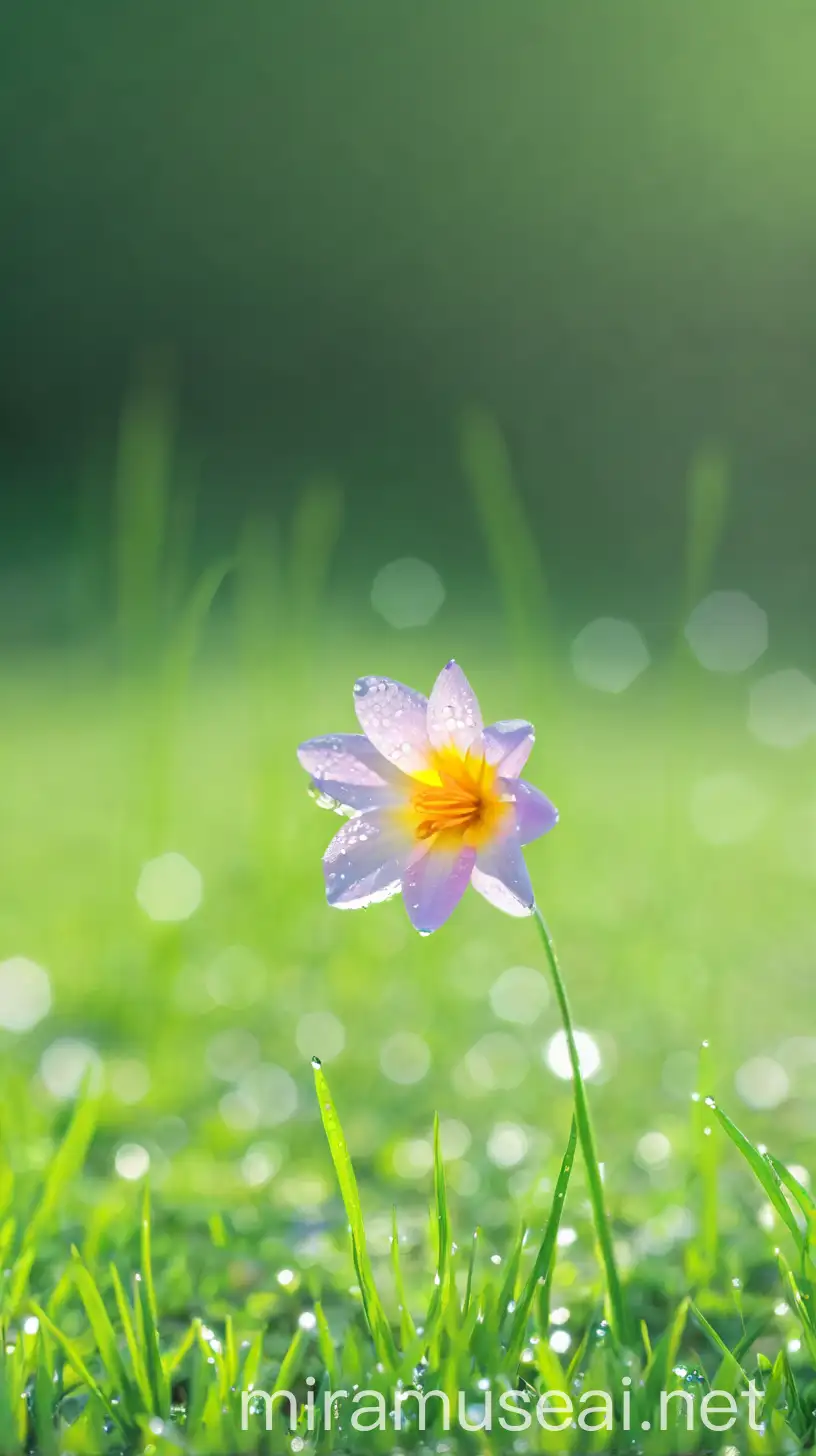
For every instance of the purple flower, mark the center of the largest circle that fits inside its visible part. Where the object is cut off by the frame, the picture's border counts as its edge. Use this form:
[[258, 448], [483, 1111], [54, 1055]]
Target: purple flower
[[435, 801]]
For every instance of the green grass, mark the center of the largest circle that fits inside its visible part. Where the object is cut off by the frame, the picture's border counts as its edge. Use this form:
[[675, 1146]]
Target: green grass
[[401, 1227], [657, 950]]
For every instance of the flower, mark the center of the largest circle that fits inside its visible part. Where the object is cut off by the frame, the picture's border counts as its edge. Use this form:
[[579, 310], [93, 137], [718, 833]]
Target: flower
[[435, 799]]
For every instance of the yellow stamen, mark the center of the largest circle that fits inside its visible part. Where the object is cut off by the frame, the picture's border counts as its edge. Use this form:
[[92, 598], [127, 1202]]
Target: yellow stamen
[[457, 796]]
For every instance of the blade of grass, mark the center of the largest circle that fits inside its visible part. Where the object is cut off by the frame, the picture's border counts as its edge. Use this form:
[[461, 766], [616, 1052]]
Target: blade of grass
[[763, 1172], [315, 533], [508, 536], [328, 1353], [71, 1352], [707, 505], [146, 1297], [103, 1331], [442, 1236], [375, 1314], [702, 1256], [664, 1356], [800, 1304], [730, 1372], [134, 1350], [474, 1244], [408, 1332], [545, 1258], [290, 1364]]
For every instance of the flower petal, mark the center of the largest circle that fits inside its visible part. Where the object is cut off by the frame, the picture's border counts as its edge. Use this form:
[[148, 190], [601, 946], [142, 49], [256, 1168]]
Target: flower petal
[[534, 814], [347, 768], [357, 798], [394, 719], [454, 716], [434, 884], [507, 745], [501, 876], [366, 859]]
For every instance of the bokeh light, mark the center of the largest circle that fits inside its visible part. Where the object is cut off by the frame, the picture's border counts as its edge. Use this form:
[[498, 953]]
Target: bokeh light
[[169, 888], [25, 994], [320, 1033], [783, 709], [67, 1065], [609, 655], [405, 1058], [762, 1082], [407, 593], [727, 632], [519, 994], [132, 1161], [557, 1058]]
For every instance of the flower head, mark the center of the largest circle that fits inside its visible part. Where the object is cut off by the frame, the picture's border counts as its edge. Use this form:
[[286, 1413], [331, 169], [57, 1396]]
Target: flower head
[[435, 801]]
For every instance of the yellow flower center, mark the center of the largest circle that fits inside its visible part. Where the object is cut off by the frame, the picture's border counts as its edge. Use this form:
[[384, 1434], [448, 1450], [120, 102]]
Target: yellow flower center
[[458, 796]]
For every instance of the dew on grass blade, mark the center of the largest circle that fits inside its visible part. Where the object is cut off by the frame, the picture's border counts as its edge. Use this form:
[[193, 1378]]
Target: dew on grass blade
[[25, 994]]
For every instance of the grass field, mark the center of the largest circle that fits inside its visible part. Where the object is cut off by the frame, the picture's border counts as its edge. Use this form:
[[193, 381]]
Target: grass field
[[679, 886]]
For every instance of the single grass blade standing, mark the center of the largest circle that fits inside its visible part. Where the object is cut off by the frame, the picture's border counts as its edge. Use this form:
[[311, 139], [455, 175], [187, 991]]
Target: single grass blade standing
[[542, 1268], [617, 1309], [702, 1253], [763, 1171], [707, 507], [375, 1314], [510, 541], [443, 1237]]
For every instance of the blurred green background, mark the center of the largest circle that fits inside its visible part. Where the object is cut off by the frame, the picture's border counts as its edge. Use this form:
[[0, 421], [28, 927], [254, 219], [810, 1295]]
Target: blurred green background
[[291, 293]]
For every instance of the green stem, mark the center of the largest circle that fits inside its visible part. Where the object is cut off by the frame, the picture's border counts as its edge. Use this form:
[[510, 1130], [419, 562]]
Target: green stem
[[586, 1137]]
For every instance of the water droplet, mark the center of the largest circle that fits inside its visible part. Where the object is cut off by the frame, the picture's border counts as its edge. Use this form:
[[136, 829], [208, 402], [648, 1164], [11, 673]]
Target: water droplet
[[316, 1063]]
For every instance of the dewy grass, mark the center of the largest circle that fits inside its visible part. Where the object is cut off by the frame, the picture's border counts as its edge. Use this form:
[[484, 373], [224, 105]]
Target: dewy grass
[[114, 1380]]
